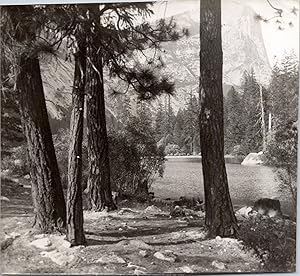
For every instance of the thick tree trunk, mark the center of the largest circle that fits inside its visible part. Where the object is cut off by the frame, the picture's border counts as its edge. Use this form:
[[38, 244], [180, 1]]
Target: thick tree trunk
[[75, 232], [99, 188], [47, 193], [219, 211]]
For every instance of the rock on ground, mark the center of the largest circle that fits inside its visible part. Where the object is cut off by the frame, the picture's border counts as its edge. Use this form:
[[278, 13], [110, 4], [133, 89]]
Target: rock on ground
[[218, 265], [152, 210], [111, 259], [58, 257], [43, 243], [165, 257]]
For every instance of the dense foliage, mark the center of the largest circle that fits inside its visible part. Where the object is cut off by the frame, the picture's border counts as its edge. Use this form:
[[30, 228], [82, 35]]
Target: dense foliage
[[282, 146], [178, 134]]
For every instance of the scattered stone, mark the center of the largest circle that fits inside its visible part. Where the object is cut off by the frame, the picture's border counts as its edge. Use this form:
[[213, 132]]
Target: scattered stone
[[244, 212], [19, 162], [134, 244], [161, 256], [111, 259], [120, 229], [4, 198], [39, 236], [27, 176], [131, 228], [152, 210], [27, 186], [130, 264], [186, 269], [218, 238], [43, 243], [218, 265], [143, 253], [126, 211], [6, 243], [138, 272], [57, 257], [177, 212], [66, 244], [5, 172]]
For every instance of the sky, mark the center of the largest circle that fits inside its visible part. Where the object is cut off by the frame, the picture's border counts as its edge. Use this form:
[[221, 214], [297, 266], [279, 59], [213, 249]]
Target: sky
[[276, 42]]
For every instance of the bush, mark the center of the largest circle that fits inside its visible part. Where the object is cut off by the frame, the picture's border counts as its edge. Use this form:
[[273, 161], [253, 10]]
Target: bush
[[282, 154], [135, 158], [273, 240], [16, 162]]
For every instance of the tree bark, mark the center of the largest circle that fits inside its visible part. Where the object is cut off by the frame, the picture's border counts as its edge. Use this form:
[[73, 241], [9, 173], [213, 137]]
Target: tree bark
[[47, 193], [75, 232], [99, 187], [220, 217]]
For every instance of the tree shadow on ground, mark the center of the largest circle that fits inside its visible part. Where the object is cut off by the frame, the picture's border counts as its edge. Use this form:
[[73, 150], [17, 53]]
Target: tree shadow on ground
[[139, 231]]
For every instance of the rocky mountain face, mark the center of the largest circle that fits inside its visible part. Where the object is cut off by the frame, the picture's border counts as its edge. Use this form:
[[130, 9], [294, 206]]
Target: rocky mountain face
[[243, 49]]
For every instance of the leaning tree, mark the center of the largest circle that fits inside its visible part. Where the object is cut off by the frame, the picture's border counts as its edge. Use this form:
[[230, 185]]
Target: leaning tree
[[116, 35], [21, 40], [220, 217]]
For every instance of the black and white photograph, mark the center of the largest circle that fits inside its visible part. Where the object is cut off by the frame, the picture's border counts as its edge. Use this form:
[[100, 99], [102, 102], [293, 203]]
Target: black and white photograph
[[149, 137]]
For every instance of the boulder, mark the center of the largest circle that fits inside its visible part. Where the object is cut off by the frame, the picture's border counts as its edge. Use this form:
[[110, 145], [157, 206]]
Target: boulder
[[268, 206], [253, 159], [243, 212]]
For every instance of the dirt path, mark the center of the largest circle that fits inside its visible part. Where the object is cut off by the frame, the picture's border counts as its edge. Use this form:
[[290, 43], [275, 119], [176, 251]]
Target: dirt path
[[127, 241], [143, 239]]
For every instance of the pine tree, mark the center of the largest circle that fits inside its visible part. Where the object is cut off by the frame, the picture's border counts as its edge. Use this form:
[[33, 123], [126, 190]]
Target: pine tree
[[22, 29], [191, 124], [219, 216], [283, 139], [251, 117], [113, 40], [233, 124], [159, 123], [179, 129]]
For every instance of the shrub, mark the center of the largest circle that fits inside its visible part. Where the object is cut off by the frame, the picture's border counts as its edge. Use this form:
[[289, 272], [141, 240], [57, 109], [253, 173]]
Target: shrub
[[135, 158], [273, 240], [282, 154], [16, 162]]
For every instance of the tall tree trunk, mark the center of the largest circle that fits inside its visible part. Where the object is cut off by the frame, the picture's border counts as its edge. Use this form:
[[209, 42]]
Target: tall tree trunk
[[47, 193], [99, 188], [220, 216], [75, 232]]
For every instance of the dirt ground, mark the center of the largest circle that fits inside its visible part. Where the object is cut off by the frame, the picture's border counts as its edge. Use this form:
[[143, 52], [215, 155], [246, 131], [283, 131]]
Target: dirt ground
[[138, 240]]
